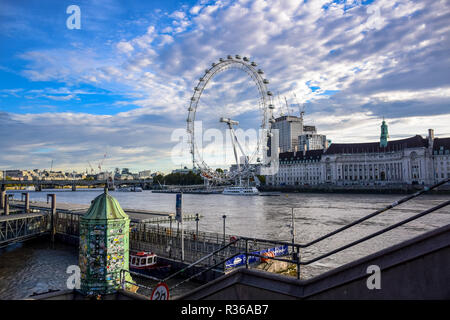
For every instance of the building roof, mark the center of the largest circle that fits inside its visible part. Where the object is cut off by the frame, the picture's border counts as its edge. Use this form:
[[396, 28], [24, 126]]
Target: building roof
[[287, 118], [441, 144], [309, 155], [369, 147], [309, 128], [105, 207]]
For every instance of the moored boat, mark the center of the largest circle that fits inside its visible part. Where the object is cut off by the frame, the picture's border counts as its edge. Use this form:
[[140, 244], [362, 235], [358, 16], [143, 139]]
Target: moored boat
[[241, 191], [147, 263]]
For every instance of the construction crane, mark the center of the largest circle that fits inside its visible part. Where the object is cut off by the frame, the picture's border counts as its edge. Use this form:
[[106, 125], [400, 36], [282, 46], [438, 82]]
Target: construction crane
[[101, 163], [92, 169], [300, 109], [287, 106], [281, 105]]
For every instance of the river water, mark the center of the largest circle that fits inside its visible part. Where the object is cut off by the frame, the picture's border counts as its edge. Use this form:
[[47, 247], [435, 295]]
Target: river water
[[38, 266]]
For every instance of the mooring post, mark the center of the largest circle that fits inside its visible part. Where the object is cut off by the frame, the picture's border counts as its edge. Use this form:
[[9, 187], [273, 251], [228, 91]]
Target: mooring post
[[52, 196], [3, 194], [6, 205], [27, 202]]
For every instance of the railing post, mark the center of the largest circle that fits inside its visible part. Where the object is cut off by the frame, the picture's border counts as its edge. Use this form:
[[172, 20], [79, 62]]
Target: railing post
[[52, 196], [298, 261], [246, 253]]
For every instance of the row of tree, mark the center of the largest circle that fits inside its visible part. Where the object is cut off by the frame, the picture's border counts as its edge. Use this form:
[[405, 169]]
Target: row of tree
[[178, 179], [186, 179]]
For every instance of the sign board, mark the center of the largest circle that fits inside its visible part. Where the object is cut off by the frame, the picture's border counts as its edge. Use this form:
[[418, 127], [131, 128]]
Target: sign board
[[161, 292], [179, 214], [240, 259]]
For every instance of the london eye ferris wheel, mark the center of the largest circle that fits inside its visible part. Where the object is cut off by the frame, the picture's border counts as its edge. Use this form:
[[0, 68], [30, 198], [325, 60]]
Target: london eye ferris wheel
[[246, 168]]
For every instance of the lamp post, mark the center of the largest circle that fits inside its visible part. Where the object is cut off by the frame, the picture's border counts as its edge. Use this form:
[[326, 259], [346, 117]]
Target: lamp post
[[196, 225], [196, 232], [224, 217]]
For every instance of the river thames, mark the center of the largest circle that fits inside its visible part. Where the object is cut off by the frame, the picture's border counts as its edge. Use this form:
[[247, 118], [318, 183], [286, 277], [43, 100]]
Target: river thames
[[38, 266]]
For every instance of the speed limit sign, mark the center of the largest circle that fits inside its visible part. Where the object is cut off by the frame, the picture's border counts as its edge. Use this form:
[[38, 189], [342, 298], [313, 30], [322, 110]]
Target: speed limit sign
[[161, 292]]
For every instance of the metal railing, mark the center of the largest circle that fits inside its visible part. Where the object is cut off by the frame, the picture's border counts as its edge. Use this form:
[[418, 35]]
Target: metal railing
[[124, 282], [296, 248]]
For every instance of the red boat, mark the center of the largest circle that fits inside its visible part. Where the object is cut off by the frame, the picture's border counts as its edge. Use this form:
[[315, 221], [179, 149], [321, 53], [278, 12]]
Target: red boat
[[147, 263]]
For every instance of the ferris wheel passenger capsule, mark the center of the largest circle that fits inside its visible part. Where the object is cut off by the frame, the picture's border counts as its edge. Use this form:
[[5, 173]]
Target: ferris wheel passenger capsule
[[253, 64], [221, 59], [245, 59], [230, 57], [265, 81], [269, 93], [260, 71], [271, 106], [206, 70], [237, 56]]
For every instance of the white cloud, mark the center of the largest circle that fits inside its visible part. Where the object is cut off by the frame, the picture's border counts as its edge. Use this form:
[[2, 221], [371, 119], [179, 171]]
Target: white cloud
[[195, 10], [125, 47], [178, 15]]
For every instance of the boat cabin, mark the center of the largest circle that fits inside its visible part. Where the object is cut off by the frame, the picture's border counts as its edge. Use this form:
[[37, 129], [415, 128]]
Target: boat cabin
[[142, 259]]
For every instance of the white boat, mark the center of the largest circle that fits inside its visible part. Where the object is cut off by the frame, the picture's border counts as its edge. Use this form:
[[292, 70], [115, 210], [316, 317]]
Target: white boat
[[130, 189], [241, 191]]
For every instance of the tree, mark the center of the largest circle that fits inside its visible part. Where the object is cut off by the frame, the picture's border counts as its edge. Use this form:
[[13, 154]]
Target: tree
[[262, 179]]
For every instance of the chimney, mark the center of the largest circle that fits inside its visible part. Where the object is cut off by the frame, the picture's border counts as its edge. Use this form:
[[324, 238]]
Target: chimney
[[430, 138]]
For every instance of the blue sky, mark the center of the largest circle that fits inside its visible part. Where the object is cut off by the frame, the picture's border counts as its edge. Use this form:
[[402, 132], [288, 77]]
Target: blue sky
[[121, 84]]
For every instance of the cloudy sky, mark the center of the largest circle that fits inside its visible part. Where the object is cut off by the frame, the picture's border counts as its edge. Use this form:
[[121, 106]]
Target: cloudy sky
[[121, 84]]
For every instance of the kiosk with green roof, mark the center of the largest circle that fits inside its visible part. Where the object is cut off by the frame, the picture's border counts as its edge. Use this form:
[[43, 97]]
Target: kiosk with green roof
[[104, 246]]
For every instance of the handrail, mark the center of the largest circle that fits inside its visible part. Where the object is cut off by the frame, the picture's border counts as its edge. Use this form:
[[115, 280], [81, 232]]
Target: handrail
[[444, 204], [123, 281], [200, 260], [423, 213], [392, 205], [205, 270]]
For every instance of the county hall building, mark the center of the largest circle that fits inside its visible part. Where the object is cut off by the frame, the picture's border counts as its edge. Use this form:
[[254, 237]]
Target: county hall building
[[414, 160]]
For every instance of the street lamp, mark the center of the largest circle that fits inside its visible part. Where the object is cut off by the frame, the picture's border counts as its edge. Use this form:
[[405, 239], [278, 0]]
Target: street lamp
[[196, 225], [196, 231], [224, 217]]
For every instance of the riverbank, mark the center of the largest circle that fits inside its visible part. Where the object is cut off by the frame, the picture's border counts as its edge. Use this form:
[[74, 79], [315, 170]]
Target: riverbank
[[401, 189]]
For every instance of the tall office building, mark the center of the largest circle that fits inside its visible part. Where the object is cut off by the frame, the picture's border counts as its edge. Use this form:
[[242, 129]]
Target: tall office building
[[290, 127]]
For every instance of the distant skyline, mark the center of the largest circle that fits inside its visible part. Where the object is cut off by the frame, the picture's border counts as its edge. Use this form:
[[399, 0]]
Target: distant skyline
[[121, 84]]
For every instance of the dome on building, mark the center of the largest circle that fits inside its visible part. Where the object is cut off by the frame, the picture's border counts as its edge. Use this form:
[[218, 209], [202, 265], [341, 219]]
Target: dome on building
[[105, 207]]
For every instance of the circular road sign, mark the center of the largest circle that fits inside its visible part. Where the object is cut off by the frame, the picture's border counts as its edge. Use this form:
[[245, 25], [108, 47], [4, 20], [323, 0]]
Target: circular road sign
[[161, 292]]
